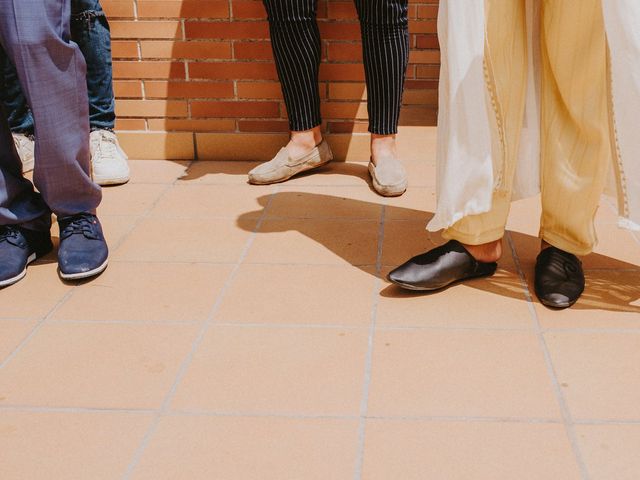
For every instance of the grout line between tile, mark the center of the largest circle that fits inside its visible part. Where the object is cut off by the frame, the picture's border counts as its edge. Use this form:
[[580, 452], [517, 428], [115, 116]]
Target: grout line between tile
[[27, 339], [123, 322], [37, 409], [562, 402], [364, 402], [595, 422], [164, 408], [68, 295], [299, 416], [147, 212]]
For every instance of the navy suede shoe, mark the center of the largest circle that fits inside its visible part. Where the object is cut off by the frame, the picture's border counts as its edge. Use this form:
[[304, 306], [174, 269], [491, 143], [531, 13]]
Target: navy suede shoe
[[18, 248], [83, 251]]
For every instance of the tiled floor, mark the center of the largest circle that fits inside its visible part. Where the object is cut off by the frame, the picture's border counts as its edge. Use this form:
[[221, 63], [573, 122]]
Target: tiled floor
[[246, 333]]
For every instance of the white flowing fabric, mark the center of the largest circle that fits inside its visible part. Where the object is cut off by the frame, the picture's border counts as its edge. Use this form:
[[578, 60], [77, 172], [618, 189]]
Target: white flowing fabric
[[466, 167]]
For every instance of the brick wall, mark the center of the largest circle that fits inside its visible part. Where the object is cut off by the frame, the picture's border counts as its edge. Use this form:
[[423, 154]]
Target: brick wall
[[196, 79]]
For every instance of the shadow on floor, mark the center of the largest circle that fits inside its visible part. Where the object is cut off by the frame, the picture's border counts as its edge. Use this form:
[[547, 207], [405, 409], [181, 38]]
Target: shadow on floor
[[614, 285], [198, 170]]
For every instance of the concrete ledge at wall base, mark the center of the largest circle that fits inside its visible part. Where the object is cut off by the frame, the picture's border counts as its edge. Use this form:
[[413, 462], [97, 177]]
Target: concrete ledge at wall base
[[260, 147]]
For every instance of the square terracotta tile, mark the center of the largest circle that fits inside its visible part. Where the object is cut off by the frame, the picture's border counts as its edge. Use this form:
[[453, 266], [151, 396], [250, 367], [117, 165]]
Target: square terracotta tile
[[307, 241], [116, 228], [308, 371], [461, 451], [495, 302], [203, 201], [156, 171], [68, 445], [292, 294], [250, 448], [406, 239], [417, 204], [12, 334], [218, 172], [129, 199], [460, 373], [599, 373], [326, 202], [184, 240], [610, 451], [37, 294], [615, 246], [98, 366], [149, 292]]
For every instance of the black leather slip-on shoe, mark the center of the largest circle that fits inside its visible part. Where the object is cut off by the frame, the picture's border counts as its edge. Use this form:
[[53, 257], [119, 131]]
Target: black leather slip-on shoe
[[440, 267], [559, 278]]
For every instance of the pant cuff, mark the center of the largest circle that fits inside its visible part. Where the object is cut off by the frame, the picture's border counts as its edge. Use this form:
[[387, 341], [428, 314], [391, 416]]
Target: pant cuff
[[303, 127], [473, 239], [566, 245]]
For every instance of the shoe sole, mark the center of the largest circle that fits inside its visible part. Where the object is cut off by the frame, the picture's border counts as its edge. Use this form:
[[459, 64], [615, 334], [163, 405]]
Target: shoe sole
[[5, 283], [103, 182], [556, 306], [386, 190], [82, 275], [305, 168], [425, 289]]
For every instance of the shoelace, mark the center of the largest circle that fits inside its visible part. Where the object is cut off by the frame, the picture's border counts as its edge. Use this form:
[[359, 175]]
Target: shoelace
[[83, 223], [8, 232], [21, 142], [105, 147]]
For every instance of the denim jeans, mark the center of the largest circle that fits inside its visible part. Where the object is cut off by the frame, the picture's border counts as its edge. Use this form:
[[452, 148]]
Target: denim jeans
[[90, 30]]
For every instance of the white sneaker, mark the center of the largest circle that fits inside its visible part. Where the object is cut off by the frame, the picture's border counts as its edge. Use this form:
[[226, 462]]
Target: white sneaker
[[25, 147], [108, 160]]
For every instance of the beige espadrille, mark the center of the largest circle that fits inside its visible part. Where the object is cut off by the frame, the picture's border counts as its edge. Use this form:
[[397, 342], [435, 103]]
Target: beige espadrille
[[282, 167]]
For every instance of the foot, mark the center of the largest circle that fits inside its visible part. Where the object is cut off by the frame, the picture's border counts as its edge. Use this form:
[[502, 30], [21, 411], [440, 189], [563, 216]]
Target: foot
[[388, 175], [83, 251], [559, 278], [18, 248], [440, 267], [285, 165], [108, 160], [25, 147], [486, 252]]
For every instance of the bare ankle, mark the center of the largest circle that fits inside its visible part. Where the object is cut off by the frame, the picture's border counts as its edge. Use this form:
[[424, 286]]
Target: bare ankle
[[486, 252], [383, 146], [307, 137]]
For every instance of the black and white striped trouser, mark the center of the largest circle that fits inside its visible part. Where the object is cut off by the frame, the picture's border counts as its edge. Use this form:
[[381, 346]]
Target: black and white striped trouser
[[295, 39]]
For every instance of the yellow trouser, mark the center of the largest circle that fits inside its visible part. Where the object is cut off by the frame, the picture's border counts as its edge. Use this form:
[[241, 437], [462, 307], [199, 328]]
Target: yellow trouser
[[575, 141]]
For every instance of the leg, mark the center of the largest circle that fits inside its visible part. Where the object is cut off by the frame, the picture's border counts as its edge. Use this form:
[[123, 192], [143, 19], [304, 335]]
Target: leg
[[19, 203], [575, 122], [35, 35], [90, 30], [18, 112], [385, 43], [295, 39], [475, 243], [506, 65]]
